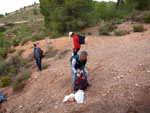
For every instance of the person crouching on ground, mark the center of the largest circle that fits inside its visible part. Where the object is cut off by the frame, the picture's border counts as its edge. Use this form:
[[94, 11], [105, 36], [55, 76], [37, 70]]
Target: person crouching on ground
[[38, 57], [79, 62]]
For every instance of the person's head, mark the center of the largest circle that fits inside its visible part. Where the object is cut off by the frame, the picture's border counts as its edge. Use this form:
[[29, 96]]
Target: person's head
[[78, 74], [34, 45], [70, 34], [83, 55]]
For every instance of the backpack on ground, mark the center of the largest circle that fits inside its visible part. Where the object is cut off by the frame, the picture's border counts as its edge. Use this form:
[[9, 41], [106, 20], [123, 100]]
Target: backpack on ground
[[41, 53], [81, 83], [81, 39]]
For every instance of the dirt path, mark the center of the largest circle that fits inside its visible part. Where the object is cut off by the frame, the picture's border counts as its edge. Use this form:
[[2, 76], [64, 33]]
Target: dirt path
[[119, 70]]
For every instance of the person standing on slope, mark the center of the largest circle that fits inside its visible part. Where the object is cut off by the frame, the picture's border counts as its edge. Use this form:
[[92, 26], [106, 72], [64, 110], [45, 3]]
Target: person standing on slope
[[38, 56], [75, 42]]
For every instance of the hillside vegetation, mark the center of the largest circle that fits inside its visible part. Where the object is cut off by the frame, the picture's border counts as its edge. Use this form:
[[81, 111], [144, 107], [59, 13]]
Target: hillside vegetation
[[118, 64]]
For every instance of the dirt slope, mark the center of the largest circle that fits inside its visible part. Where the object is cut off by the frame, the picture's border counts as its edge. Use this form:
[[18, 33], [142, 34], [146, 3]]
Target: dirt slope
[[119, 70]]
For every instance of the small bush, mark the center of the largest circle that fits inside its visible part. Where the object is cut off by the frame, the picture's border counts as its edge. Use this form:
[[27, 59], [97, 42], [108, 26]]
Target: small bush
[[36, 38], [12, 71], [118, 33], [5, 81], [3, 53], [18, 62], [1, 15], [54, 35], [121, 33], [18, 84], [11, 50], [15, 42], [20, 52], [35, 12], [147, 18], [2, 29], [26, 75], [107, 28], [118, 21], [89, 33], [103, 31], [24, 41], [44, 66], [138, 28]]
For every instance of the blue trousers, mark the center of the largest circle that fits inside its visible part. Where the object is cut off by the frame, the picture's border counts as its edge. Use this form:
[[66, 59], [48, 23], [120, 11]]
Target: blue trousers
[[85, 72], [38, 62]]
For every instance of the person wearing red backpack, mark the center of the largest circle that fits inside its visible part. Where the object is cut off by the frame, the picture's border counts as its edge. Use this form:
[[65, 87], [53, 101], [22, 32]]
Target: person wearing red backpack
[[75, 42]]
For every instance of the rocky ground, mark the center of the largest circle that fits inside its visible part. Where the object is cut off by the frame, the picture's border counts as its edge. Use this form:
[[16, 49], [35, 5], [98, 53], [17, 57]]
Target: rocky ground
[[119, 70]]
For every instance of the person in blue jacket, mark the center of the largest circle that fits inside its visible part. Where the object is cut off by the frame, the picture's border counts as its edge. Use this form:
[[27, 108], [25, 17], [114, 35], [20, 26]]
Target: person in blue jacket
[[2, 98], [37, 56], [78, 62]]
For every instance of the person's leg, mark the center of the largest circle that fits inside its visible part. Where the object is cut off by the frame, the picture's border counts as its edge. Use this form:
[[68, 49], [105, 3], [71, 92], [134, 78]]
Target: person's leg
[[74, 52], [85, 72], [37, 63], [40, 61], [77, 51], [73, 78]]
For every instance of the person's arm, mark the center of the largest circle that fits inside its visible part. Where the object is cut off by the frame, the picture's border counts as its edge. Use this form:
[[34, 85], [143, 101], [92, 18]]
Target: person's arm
[[34, 53], [73, 65]]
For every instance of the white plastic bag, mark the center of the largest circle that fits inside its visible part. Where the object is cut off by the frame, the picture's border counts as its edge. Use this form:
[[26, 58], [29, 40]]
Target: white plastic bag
[[79, 96], [68, 96]]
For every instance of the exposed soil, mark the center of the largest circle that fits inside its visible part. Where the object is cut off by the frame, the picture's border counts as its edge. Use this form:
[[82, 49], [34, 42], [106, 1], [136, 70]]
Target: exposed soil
[[119, 70]]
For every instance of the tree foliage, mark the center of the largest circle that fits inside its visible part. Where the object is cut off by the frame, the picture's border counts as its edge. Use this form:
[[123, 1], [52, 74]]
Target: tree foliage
[[65, 15]]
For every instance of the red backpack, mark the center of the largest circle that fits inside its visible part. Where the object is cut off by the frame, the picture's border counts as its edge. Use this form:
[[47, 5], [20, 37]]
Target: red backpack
[[81, 83]]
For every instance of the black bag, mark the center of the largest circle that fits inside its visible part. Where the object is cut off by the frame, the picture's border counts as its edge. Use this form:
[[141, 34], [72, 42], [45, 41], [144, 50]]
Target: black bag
[[41, 53], [81, 83], [81, 39]]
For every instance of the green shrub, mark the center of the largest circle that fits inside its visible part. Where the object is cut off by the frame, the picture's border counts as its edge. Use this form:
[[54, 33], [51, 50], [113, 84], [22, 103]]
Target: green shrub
[[24, 41], [107, 28], [36, 38], [27, 75], [12, 71], [138, 28], [118, 21], [1, 15], [54, 35], [18, 62], [121, 33], [15, 42], [35, 12], [11, 50], [44, 66], [18, 84], [2, 29], [4, 68], [5, 81], [20, 52], [147, 18], [3, 53], [103, 30], [89, 33]]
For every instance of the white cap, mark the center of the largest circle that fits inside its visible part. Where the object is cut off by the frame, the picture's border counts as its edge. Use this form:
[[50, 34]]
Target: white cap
[[70, 34]]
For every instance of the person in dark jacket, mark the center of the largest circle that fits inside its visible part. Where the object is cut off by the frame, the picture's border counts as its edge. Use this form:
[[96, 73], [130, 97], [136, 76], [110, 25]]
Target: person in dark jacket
[[38, 57], [75, 42], [78, 63]]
